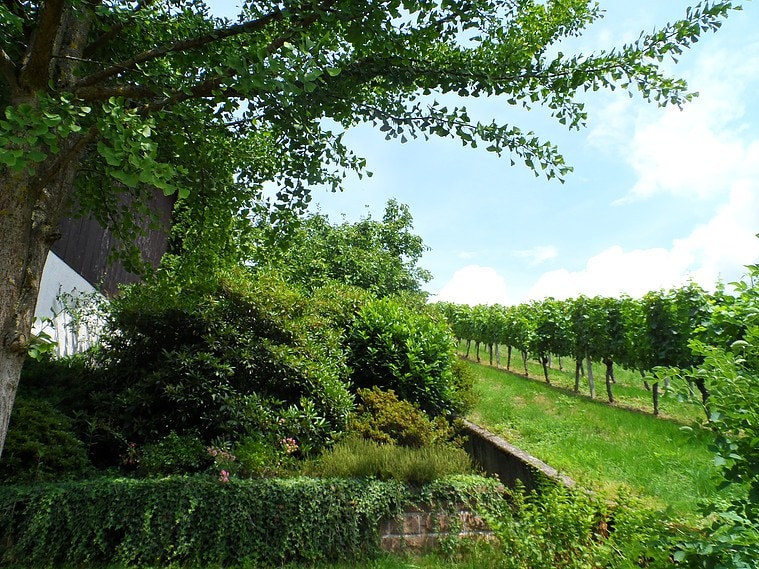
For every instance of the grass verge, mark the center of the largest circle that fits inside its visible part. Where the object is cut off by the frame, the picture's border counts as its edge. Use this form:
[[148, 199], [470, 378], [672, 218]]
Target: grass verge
[[612, 449]]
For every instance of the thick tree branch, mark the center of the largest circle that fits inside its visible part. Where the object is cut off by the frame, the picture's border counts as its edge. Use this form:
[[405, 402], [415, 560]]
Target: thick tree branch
[[214, 85], [35, 73], [200, 41], [72, 42]]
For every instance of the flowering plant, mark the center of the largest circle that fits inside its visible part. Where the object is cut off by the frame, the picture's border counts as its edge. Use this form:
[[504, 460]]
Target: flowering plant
[[290, 445], [222, 458], [131, 456]]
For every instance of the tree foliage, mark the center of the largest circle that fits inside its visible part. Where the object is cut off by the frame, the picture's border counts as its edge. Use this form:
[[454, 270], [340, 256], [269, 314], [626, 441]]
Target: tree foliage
[[636, 333], [731, 371], [378, 256], [407, 350]]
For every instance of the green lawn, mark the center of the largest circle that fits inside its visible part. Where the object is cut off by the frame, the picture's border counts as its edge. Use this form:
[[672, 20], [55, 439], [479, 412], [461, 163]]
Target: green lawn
[[614, 449]]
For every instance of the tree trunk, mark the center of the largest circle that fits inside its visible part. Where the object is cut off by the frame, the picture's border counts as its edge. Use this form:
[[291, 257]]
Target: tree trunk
[[545, 359], [524, 361], [561, 367], [497, 356], [591, 381], [468, 347], [508, 359], [490, 349], [578, 367], [477, 351], [11, 362], [30, 219], [656, 398], [32, 197], [701, 385], [609, 379]]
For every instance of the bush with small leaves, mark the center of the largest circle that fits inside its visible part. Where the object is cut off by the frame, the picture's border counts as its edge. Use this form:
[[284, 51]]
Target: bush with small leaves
[[407, 349], [174, 454], [381, 417], [227, 357]]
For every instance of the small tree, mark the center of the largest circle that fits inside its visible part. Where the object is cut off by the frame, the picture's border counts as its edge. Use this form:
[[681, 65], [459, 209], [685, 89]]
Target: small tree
[[550, 331], [379, 256]]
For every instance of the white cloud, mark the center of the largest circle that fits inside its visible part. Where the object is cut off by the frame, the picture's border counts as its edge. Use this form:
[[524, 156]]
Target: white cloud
[[538, 255], [474, 285], [719, 249], [698, 151], [614, 272], [728, 242], [685, 154]]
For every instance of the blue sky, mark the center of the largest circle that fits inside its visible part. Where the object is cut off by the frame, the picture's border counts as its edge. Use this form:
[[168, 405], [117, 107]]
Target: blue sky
[[657, 196]]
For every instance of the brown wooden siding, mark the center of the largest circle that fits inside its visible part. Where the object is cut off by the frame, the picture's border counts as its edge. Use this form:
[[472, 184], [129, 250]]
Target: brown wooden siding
[[85, 247]]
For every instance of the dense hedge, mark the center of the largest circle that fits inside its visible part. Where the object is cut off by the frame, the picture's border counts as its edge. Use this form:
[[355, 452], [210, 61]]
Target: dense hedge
[[201, 521]]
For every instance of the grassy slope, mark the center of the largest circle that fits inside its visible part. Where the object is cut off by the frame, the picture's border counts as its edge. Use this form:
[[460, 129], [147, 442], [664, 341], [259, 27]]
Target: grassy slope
[[612, 449]]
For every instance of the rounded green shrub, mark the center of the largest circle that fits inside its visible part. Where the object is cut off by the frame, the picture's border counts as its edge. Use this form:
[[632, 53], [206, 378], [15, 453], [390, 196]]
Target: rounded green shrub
[[174, 454], [41, 445], [225, 358], [408, 350], [64, 382], [381, 417]]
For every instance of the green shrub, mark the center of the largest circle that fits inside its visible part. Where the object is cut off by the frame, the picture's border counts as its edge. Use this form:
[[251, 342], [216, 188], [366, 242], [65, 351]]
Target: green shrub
[[259, 458], [407, 350], [61, 381], [41, 445], [463, 381], [380, 416], [194, 521], [174, 454], [226, 358], [360, 458], [561, 528]]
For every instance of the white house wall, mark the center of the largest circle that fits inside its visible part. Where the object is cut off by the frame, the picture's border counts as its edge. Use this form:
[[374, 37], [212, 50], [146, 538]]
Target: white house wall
[[65, 308]]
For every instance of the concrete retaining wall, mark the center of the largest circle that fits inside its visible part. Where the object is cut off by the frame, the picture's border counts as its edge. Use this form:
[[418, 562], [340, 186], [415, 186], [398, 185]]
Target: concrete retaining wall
[[423, 529], [498, 457]]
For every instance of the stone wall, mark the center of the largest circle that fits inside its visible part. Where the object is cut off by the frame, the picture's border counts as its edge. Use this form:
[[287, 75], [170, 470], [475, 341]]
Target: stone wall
[[422, 530]]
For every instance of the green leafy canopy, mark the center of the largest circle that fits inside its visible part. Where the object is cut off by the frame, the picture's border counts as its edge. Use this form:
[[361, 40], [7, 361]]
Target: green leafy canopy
[[292, 64]]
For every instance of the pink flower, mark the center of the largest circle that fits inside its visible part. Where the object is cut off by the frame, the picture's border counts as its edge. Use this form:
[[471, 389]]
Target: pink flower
[[290, 444], [224, 476]]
